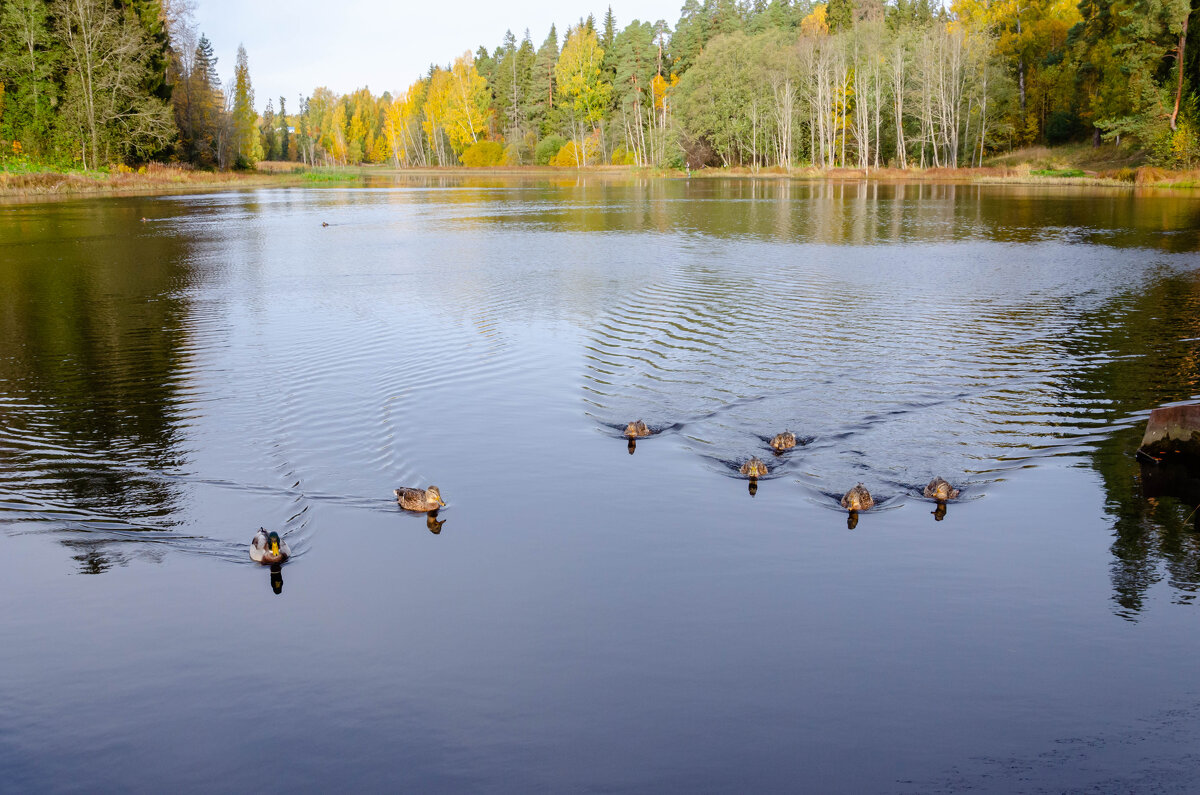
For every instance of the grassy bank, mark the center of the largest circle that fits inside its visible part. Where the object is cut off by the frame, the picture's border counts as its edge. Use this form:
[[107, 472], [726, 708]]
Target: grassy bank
[[20, 179]]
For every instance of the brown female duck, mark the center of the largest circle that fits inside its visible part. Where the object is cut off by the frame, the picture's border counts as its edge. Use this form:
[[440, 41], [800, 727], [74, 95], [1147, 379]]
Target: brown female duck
[[940, 490], [429, 499], [636, 430], [783, 441], [754, 468], [858, 499]]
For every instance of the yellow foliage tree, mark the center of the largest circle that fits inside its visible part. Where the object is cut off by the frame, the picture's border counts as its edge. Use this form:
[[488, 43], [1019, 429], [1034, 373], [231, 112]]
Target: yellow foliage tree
[[815, 24], [466, 104], [333, 134], [434, 113], [402, 122], [483, 153], [583, 81], [573, 156]]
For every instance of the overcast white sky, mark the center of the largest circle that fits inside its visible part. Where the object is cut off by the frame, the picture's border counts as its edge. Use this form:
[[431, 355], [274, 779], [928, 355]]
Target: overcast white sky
[[346, 44]]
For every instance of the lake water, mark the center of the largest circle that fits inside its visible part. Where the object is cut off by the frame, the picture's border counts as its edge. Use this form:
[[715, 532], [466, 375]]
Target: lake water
[[579, 618]]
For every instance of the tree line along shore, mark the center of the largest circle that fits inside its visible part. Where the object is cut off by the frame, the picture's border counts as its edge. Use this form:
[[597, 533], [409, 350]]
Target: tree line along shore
[[103, 95]]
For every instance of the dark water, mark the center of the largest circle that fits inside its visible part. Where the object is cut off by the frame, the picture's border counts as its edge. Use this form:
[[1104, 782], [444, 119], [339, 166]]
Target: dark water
[[582, 619]]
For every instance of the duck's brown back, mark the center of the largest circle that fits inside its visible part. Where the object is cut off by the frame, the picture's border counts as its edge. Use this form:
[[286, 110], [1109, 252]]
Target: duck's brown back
[[412, 499]]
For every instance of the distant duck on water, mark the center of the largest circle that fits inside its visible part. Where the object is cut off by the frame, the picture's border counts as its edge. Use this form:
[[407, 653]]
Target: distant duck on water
[[268, 548]]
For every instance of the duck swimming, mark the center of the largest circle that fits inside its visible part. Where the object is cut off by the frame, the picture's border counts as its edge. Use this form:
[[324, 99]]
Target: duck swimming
[[754, 468], [783, 441], [858, 499], [429, 499], [636, 430], [940, 490], [268, 548]]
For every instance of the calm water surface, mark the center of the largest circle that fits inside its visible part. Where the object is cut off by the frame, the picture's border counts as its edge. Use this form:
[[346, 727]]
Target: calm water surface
[[579, 618]]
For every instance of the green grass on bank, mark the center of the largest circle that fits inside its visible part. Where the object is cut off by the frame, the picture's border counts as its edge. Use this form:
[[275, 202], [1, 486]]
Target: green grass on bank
[[1059, 172]]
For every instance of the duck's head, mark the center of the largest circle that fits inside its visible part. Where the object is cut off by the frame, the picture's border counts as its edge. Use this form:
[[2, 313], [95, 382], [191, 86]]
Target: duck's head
[[433, 495], [273, 542]]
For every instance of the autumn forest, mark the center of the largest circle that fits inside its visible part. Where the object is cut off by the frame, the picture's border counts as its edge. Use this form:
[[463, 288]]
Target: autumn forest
[[745, 83]]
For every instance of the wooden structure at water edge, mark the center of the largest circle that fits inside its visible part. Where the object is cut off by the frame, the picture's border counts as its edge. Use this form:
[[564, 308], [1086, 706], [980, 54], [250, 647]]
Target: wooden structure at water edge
[[1172, 433]]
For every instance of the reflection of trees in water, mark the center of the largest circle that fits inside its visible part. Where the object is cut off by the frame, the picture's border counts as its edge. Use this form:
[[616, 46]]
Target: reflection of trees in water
[[854, 212], [91, 348], [1149, 362]]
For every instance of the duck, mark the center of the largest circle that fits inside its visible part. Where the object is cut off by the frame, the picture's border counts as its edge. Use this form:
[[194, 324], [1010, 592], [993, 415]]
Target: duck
[[268, 548], [422, 500], [940, 490], [324, 223], [636, 430], [858, 499], [783, 441], [754, 468]]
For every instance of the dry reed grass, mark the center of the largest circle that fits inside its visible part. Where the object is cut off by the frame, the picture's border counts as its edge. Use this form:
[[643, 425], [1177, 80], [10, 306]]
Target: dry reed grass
[[152, 177]]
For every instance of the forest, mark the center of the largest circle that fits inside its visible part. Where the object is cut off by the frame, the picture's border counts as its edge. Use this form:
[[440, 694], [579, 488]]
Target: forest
[[733, 83]]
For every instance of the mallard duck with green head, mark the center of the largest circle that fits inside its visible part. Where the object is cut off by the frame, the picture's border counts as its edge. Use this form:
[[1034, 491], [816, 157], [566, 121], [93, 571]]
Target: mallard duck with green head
[[422, 500], [268, 548], [858, 499]]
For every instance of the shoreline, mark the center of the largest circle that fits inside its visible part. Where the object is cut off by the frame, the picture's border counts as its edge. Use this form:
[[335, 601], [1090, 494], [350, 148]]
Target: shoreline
[[53, 185], [56, 185]]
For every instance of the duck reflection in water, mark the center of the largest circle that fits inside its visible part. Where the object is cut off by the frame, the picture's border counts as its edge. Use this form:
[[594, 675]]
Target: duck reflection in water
[[941, 491], [632, 446], [431, 521], [277, 578]]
